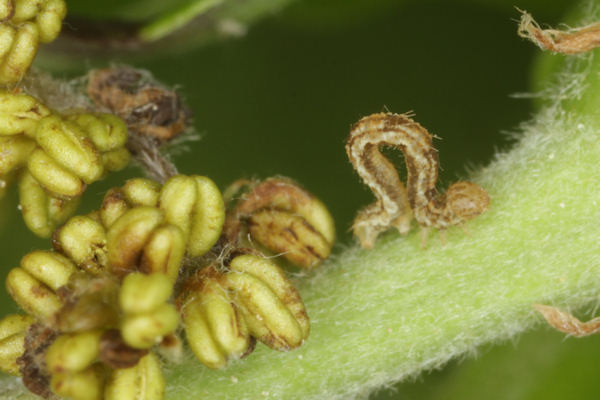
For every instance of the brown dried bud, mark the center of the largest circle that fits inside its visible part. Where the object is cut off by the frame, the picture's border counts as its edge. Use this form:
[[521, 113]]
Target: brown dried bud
[[32, 363], [148, 107], [117, 354], [572, 41], [89, 303], [281, 216]]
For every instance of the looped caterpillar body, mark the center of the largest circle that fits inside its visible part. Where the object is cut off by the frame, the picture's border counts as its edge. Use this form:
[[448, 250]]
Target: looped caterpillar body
[[396, 204]]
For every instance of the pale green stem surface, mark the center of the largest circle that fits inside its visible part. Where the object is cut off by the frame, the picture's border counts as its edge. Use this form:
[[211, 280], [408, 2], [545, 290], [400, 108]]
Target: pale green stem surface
[[381, 315]]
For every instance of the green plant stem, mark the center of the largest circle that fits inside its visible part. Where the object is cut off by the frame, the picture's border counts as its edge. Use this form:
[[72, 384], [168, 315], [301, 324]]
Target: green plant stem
[[175, 19], [391, 312]]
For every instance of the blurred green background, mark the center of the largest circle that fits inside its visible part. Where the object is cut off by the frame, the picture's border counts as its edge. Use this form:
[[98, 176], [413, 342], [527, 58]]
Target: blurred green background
[[281, 99]]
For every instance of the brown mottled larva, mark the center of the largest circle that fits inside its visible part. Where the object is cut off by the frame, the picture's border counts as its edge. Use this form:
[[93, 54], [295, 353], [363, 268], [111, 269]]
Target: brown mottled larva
[[396, 204]]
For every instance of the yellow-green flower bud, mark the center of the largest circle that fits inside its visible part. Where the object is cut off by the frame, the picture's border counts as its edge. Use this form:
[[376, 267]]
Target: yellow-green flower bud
[[62, 155], [215, 328], [141, 192], [14, 151], [283, 218], [73, 352], [41, 211], [113, 206], [49, 267], [141, 293], [106, 131], [32, 295], [52, 176], [18, 59], [68, 145], [83, 385], [207, 217], [19, 113], [271, 305], [11, 348], [136, 192], [14, 323], [12, 341], [7, 8], [164, 251], [115, 160], [177, 200], [194, 204], [144, 330], [144, 381], [25, 10], [84, 241], [31, 22], [128, 235], [7, 36], [50, 19]]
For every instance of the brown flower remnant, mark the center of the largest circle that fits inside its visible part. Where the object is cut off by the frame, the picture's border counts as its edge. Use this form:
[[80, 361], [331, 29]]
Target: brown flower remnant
[[572, 41], [117, 354], [33, 364], [280, 216], [148, 107], [567, 323]]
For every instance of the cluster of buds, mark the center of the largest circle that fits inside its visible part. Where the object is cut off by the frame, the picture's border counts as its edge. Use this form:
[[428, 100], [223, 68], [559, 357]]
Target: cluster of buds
[[110, 359], [185, 214], [122, 281], [23, 25], [54, 157], [226, 309], [157, 259], [105, 291], [279, 217]]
